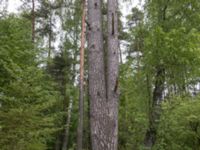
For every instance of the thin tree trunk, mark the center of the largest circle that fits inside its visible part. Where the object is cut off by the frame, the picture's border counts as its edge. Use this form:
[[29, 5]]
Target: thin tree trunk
[[97, 86], [68, 121], [81, 84], [50, 34], [112, 73], [33, 21]]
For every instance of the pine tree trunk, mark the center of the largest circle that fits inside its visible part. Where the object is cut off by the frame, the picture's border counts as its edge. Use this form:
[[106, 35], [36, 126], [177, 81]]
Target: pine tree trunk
[[97, 86], [81, 84], [112, 72], [103, 87]]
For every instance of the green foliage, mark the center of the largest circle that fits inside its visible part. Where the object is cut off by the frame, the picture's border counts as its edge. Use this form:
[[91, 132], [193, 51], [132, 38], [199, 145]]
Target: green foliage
[[179, 125], [177, 51], [133, 119], [26, 94], [35, 98], [168, 38]]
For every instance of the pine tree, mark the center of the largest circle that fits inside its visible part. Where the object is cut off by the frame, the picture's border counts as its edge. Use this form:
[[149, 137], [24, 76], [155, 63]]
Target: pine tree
[[103, 84]]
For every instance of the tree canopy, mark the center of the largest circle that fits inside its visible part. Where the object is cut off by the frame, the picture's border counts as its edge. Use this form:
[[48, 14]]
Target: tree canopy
[[140, 84]]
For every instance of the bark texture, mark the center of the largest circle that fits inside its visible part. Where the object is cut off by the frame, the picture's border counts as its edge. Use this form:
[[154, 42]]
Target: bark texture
[[81, 84], [112, 73], [103, 84], [97, 86]]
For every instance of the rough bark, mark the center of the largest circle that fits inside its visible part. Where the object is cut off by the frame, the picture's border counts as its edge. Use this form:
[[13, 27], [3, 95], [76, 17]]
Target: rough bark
[[97, 86], [112, 73], [81, 83], [103, 85]]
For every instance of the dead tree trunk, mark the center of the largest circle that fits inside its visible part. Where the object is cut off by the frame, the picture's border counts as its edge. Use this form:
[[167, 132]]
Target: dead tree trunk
[[81, 83]]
